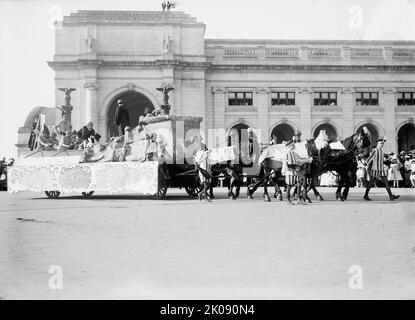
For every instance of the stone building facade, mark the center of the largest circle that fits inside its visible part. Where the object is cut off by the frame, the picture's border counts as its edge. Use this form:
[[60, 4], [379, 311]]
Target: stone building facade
[[277, 86]]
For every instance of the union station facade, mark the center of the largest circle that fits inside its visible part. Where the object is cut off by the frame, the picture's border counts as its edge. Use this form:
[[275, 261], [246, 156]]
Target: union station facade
[[277, 86]]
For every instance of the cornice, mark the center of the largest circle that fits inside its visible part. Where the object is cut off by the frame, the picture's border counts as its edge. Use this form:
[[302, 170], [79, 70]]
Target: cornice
[[96, 17], [226, 68], [220, 42], [131, 63], [311, 68]]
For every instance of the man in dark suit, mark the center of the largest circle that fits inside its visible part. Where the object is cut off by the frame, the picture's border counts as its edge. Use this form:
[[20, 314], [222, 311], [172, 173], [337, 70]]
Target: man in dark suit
[[87, 132], [122, 117]]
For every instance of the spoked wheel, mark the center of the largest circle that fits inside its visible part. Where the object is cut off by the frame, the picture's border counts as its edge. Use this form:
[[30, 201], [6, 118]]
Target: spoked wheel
[[193, 190], [162, 188], [52, 194], [88, 194]]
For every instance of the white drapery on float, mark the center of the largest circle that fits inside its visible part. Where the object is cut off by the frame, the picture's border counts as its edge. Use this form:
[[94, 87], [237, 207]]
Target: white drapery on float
[[68, 176]]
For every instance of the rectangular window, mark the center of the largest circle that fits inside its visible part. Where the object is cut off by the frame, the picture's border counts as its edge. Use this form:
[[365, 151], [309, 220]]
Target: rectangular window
[[406, 98], [325, 98], [367, 99], [283, 98], [240, 98]]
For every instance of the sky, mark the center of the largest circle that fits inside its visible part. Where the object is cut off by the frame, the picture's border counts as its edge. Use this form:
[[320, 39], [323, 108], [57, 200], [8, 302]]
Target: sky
[[27, 36]]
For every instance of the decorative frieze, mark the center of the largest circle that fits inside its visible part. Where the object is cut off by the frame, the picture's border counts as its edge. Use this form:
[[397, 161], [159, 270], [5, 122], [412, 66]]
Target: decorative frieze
[[219, 90], [389, 90], [347, 90], [304, 90], [262, 90], [91, 85]]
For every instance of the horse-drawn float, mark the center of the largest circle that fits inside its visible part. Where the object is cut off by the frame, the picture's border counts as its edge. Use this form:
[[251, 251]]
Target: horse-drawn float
[[158, 156]]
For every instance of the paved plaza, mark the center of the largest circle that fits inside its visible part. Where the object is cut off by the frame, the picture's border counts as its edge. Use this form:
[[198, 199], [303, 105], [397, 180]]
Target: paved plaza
[[132, 247]]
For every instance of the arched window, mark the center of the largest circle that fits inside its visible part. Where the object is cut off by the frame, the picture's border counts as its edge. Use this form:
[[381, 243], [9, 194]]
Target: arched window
[[406, 138]]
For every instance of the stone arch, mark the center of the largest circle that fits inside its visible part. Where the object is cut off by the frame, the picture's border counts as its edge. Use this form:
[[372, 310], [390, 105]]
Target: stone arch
[[239, 126], [283, 130], [374, 129], [238, 122], [334, 129], [137, 99], [405, 134]]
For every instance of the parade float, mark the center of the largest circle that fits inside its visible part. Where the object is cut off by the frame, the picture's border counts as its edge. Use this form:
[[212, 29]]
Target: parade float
[[117, 168]]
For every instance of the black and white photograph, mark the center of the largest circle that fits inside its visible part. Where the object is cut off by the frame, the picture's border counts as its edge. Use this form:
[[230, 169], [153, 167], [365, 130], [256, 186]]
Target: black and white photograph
[[207, 150]]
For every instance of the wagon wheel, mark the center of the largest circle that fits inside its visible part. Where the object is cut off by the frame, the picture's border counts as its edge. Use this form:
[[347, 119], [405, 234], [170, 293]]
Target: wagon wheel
[[162, 188], [52, 194], [193, 190], [88, 194]]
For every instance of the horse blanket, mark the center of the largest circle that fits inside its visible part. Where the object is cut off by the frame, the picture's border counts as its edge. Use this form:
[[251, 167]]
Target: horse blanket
[[277, 152]]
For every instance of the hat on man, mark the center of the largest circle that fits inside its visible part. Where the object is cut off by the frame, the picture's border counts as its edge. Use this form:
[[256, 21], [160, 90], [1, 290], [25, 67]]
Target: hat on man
[[381, 139], [89, 124], [119, 101]]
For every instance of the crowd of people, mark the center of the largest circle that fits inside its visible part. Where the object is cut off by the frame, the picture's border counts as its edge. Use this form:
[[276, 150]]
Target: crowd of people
[[42, 139], [4, 164], [399, 169]]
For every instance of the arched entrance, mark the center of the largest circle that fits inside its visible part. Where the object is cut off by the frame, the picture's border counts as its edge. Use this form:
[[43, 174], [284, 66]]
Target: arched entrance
[[236, 131], [283, 132], [330, 130], [135, 102], [406, 137], [374, 133]]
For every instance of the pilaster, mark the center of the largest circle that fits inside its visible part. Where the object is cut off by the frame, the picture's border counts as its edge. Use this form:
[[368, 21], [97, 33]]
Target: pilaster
[[388, 101], [304, 102], [347, 103], [262, 100]]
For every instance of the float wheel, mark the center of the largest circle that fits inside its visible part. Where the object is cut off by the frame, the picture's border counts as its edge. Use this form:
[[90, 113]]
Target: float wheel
[[88, 194], [52, 194]]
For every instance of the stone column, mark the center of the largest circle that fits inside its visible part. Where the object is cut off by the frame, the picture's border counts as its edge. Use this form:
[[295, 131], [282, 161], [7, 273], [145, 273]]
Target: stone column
[[388, 102], [219, 103], [347, 103], [304, 102], [262, 98], [91, 103]]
